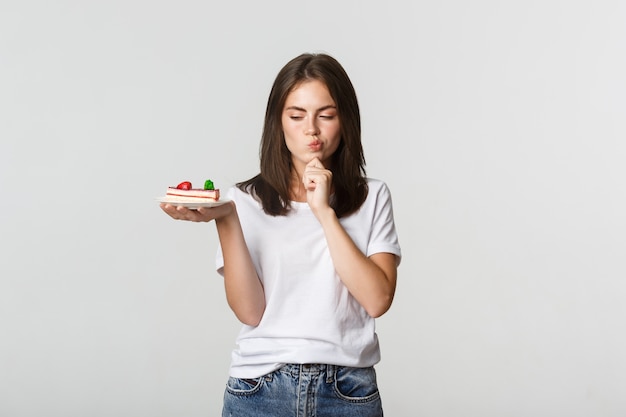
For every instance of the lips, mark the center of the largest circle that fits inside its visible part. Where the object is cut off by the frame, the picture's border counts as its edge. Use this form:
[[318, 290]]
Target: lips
[[315, 145]]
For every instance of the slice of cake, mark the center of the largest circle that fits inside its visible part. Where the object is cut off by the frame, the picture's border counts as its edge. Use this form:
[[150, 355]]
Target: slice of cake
[[184, 192]]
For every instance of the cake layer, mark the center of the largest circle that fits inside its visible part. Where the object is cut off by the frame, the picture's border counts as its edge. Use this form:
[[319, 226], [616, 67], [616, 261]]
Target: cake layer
[[194, 193]]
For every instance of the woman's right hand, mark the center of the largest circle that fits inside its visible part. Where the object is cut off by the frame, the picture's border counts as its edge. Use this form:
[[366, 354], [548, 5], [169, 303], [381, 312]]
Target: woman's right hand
[[202, 214]]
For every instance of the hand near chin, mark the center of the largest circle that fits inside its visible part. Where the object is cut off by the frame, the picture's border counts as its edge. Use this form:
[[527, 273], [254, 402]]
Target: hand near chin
[[202, 214], [317, 181]]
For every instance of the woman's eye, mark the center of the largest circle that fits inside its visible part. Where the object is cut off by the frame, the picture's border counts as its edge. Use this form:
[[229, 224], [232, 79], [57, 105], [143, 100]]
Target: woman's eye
[[327, 116], [296, 117]]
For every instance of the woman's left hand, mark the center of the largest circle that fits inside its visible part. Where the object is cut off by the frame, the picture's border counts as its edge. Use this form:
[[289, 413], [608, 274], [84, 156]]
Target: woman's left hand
[[317, 182]]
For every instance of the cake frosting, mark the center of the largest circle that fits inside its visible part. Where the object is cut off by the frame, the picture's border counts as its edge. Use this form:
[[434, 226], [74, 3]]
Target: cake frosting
[[185, 192]]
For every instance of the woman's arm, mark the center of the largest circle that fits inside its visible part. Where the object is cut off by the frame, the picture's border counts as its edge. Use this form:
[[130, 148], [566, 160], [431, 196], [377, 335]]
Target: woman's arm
[[244, 291], [370, 280]]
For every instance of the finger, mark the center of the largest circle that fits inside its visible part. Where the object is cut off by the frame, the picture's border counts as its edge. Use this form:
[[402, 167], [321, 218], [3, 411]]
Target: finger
[[309, 185], [170, 210], [309, 177], [315, 162], [217, 211]]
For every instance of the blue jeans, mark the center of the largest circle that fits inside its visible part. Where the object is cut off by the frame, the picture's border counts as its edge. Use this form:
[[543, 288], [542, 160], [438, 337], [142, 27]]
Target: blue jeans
[[305, 391]]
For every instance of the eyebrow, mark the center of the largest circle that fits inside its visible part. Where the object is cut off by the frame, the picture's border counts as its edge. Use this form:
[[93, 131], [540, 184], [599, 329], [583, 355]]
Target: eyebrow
[[330, 106]]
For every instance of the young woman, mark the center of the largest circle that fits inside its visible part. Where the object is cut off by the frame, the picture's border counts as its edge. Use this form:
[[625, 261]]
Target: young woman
[[309, 254]]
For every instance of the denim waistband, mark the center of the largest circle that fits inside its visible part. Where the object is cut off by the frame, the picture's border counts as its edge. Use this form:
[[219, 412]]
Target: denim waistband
[[307, 368]]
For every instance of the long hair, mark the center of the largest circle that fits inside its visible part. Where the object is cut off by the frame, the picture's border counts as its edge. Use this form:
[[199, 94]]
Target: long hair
[[272, 185]]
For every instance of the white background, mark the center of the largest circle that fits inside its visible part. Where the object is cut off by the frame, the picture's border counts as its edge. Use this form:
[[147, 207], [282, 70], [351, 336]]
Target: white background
[[499, 127]]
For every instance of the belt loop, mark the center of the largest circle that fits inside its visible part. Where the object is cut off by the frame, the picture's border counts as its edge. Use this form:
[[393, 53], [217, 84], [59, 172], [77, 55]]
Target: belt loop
[[330, 373]]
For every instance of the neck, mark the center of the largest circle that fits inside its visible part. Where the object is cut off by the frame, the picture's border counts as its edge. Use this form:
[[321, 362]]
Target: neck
[[297, 191]]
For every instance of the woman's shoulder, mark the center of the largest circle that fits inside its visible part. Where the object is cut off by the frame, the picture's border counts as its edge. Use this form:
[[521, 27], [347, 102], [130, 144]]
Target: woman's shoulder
[[378, 193], [241, 196], [376, 185], [375, 182], [234, 192]]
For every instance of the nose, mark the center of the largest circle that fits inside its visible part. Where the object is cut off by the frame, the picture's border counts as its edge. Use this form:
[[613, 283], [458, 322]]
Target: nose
[[311, 128]]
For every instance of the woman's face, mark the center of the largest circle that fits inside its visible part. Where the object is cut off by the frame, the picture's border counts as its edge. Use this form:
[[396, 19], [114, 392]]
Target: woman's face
[[311, 124]]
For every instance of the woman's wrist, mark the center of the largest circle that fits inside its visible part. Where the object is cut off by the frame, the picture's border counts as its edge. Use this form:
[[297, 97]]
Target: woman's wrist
[[326, 215]]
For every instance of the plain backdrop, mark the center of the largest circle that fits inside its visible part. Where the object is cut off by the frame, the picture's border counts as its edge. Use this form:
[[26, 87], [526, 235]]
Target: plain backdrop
[[499, 127]]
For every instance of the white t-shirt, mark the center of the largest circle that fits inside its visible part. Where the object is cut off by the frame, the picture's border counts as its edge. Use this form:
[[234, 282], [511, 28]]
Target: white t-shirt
[[310, 317]]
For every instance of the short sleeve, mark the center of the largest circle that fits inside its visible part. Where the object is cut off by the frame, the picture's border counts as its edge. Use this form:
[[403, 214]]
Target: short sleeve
[[384, 237]]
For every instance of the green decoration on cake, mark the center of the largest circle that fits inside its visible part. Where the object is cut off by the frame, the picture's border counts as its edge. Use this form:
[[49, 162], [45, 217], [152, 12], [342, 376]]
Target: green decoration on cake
[[208, 185]]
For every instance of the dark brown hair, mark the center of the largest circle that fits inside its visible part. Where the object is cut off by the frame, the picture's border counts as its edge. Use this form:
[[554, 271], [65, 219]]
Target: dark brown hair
[[272, 185]]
